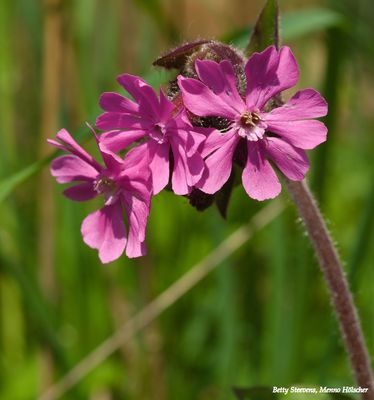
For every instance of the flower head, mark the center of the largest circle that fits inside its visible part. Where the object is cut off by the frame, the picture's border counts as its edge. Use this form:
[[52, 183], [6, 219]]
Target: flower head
[[169, 140], [124, 184], [280, 135]]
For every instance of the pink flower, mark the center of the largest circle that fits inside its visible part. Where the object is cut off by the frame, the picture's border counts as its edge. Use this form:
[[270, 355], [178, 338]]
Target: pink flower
[[152, 119], [125, 186], [280, 135]]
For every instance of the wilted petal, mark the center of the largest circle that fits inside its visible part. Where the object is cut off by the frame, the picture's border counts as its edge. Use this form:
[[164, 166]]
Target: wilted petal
[[71, 168], [82, 192], [105, 231], [307, 103], [269, 73], [219, 165], [200, 100], [305, 134], [259, 179], [291, 161]]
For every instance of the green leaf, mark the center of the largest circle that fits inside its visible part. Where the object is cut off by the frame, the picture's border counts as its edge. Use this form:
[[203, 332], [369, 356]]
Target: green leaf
[[294, 25], [7, 185], [266, 31]]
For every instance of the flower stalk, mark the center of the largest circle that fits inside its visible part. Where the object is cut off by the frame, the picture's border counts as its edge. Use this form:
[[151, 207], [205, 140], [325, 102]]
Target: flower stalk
[[337, 284]]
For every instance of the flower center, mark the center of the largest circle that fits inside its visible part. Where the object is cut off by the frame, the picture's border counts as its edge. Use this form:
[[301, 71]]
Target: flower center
[[158, 133], [249, 119], [108, 188], [104, 185], [251, 126]]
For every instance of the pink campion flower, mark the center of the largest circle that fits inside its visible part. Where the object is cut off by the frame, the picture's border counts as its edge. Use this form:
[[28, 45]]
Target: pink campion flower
[[152, 119], [280, 135], [125, 185]]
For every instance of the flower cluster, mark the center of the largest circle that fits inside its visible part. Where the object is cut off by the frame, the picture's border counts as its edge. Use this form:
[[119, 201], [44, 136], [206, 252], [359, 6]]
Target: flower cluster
[[175, 142]]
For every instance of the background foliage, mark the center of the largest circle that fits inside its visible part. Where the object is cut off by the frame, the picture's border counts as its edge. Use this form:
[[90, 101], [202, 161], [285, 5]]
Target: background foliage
[[263, 316]]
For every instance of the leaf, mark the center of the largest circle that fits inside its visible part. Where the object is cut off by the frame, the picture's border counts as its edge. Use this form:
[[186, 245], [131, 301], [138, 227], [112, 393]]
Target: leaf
[[294, 25], [255, 393], [266, 31], [7, 185]]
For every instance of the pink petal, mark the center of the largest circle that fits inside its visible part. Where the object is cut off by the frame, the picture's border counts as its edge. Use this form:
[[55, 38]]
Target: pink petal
[[82, 192], [215, 140], [221, 80], [132, 84], [269, 73], [113, 162], [187, 170], [71, 168], [105, 231], [116, 103], [166, 107], [118, 140], [307, 103], [305, 134], [70, 145], [259, 179], [137, 160], [145, 96], [200, 100], [159, 165], [196, 140], [194, 136], [137, 214], [219, 165], [291, 161], [136, 177], [191, 136], [116, 120]]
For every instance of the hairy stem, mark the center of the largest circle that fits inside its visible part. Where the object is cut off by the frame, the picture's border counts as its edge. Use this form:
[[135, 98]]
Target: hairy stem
[[338, 286]]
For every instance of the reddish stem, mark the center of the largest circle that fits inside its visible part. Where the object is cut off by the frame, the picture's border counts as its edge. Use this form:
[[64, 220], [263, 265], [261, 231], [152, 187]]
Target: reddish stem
[[337, 284]]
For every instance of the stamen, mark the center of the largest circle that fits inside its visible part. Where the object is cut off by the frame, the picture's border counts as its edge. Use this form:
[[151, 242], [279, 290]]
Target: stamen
[[158, 133], [249, 119], [251, 126], [104, 185]]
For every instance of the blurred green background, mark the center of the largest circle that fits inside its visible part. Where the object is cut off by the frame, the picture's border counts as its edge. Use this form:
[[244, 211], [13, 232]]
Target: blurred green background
[[262, 317]]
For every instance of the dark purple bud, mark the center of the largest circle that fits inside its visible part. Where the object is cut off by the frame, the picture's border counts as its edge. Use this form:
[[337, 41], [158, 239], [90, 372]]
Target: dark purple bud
[[176, 58], [183, 57]]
